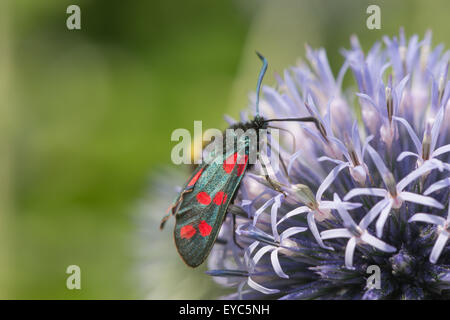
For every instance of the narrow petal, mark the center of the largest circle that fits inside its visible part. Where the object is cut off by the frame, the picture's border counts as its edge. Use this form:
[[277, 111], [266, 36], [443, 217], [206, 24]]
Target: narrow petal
[[368, 99], [377, 243], [260, 288], [292, 160], [332, 205], [276, 265], [314, 109], [441, 150], [349, 251], [377, 192], [411, 133], [327, 117], [341, 74], [249, 231], [248, 252], [382, 169], [383, 217], [315, 231], [399, 89], [273, 216], [436, 127], [437, 186], [405, 154], [373, 213], [428, 218], [446, 96], [324, 158], [335, 233], [312, 132], [291, 86], [438, 247], [424, 200], [348, 220], [356, 140], [329, 179], [230, 120], [261, 209], [366, 143], [340, 146], [417, 173], [261, 252], [291, 231], [294, 212]]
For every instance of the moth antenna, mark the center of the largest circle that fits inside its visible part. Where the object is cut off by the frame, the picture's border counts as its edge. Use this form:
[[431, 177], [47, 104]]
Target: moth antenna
[[260, 79], [314, 120]]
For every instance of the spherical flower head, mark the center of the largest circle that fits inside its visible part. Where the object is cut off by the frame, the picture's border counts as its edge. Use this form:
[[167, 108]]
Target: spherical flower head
[[368, 187]]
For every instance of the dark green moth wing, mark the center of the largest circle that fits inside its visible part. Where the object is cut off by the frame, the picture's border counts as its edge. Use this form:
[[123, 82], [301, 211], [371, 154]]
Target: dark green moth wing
[[203, 203]]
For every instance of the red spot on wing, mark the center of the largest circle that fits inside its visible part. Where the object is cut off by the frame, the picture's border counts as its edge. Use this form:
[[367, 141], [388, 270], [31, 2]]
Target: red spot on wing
[[220, 198], [241, 166], [204, 228], [195, 178], [187, 232], [203, 198], [230, 162]]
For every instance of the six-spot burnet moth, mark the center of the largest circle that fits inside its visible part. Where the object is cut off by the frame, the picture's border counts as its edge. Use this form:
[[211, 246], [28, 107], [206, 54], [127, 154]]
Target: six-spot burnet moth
[[201, 206]]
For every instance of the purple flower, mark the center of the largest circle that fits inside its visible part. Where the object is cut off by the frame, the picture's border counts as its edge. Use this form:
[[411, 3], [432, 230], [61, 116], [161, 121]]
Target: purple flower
[[386, 137]]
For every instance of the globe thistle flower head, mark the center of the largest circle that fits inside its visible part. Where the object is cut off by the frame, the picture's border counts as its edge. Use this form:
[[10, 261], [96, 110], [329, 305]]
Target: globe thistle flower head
[[367, 189]]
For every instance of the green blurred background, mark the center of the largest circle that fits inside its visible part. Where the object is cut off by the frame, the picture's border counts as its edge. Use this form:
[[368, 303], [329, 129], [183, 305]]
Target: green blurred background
[[86, 118]]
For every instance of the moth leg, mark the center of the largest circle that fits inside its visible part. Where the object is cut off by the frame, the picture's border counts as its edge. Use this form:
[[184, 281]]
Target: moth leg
[[236, 211], [283, 164], [269, 180], [290, 133], [173, 208], [165, 218], [234, 232], [221, 241]]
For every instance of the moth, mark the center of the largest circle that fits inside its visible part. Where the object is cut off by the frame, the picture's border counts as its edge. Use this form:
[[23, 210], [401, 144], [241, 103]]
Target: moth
[[201, 206]]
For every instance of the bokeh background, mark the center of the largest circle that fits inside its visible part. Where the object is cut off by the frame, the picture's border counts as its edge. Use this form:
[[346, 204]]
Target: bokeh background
[[86, 118]]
